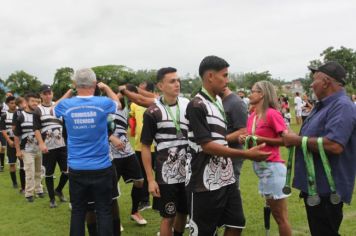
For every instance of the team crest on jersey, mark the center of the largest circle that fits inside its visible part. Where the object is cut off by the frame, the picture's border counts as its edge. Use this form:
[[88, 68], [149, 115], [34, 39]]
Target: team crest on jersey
[[170, 208], [218, 173], [173, 169]]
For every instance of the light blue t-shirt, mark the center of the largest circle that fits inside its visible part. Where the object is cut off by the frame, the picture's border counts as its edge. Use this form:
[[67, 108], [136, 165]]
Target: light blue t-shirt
[[86, 122]]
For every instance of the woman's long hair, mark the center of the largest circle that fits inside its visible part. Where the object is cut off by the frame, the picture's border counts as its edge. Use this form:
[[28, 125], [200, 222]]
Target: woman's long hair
[[270, 99]]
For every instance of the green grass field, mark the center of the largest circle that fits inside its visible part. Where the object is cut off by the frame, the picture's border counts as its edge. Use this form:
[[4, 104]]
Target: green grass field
[[19, 218]]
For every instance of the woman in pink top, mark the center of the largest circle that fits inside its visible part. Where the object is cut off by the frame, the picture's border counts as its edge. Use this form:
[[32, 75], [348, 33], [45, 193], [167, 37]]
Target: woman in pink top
[[266, 124]]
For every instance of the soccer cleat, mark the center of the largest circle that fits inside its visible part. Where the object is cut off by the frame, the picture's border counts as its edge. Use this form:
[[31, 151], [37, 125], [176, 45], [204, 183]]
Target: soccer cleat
[[138, 218], [52, 204], [40, 195], [143, 206], [60, 196], [30, 199]]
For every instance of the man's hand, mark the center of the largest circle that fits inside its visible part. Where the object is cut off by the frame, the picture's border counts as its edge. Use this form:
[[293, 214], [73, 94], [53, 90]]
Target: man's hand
[[291, 139], [19, 155], [11, 143], [256, 154], [102, 86], [242, 138], [118, 144], [122, 88], [43, 148], [154, 189]]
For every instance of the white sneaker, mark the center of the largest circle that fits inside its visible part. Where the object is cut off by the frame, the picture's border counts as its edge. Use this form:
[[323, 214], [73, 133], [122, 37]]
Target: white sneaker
[[138, 218], [121, 228]]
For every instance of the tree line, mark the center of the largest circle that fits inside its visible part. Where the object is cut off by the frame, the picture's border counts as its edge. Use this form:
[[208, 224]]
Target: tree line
[[21, 82]]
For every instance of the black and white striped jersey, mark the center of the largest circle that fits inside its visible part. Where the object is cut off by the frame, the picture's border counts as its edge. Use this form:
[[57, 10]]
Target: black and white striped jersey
[[206, 172], [121, 126], [171, 148], [25, 131], [6, 123], [50, 127]]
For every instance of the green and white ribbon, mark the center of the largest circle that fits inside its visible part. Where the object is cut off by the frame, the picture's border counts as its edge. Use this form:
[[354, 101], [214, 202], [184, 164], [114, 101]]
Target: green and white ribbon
[[287, 187], [334, 197], [313, 197]]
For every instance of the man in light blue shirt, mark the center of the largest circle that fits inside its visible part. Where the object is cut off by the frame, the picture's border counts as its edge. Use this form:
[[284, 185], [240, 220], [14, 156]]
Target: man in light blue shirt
[[90, 170]]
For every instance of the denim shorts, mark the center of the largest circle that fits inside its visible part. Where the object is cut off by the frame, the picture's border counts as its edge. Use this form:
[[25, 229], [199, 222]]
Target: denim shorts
[[272, 177]]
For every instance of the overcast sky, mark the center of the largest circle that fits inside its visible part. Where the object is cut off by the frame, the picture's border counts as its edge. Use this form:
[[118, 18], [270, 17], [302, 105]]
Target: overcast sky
[[39, 36]]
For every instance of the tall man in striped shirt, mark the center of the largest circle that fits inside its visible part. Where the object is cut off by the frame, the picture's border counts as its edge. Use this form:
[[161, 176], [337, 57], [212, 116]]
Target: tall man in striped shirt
[[48, 131], [214, 200], [164, 123]]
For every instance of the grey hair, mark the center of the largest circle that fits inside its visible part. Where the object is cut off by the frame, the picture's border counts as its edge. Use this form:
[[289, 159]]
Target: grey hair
[[84, 78], [270, 99]]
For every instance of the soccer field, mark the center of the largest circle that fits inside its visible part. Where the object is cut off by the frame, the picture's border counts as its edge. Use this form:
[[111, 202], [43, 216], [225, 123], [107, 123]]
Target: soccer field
[[20, 218]]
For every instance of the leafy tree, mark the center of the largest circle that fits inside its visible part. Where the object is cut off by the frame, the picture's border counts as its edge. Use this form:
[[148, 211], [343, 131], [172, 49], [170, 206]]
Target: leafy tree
[[62, 81], [144, 75], [21, 83], [2, 90], [346, 57], [114, 75]]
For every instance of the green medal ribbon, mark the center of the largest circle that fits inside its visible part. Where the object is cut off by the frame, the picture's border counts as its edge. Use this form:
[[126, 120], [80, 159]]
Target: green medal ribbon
[[218, 105], [176, 120], [334, 197], [313, 197], [262, 164], [287, 187]]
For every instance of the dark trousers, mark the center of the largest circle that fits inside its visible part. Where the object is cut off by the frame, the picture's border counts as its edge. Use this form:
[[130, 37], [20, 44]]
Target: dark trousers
[[324, 219], [96, 183]]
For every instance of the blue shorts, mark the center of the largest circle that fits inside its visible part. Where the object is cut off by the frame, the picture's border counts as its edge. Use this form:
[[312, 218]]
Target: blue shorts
[[272, 177]]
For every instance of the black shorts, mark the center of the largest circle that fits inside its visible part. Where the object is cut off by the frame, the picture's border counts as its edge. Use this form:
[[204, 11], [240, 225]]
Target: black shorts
[[173, 199], [11, 154], [115, 191], [212, 209], [49, 160], [129, 168]]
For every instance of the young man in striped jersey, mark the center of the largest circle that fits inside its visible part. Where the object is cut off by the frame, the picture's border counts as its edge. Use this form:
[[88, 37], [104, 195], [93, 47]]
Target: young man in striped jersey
[[48, 132], [164, 123], [214, 200], [8, 134], [125, 160], [27, 148]]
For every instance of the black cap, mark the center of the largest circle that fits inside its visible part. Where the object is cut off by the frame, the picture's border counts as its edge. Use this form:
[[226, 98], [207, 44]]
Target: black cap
[[45, 88], [332, 69]]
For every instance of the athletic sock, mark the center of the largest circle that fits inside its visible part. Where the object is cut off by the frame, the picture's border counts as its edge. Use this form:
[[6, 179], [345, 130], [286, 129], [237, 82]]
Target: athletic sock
[[136, 195], [176, 233], [13, 177], [22, 178], [62, 181], [49, 184], [92, 229], [2, 159]]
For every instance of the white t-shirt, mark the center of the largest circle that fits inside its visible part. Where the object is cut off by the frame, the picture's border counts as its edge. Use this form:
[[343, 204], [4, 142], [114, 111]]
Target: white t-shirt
[[298, 103]]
